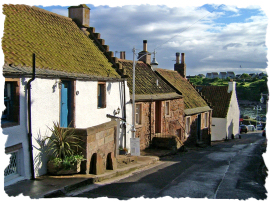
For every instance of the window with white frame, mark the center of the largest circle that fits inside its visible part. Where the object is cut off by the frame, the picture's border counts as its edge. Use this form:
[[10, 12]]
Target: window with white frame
[[206, 119], [167, 108], [138, 114], [101, 95], [188, 122]]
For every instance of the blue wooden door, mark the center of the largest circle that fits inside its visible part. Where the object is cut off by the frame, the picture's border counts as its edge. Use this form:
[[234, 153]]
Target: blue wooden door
[[64, 114]]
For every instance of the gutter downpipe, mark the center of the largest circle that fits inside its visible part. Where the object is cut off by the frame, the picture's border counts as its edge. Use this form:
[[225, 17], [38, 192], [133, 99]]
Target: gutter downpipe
[[133, 130], [125, 115], [30, 119]]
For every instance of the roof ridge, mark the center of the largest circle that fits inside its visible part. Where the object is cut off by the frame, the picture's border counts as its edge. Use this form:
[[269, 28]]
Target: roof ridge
[[49, 12], [39, 9], [59, 33]]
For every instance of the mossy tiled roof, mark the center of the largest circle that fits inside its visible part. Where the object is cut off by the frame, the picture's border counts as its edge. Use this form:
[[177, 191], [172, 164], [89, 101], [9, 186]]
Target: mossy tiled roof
[[219, 97], [192, 98], [146, 82], [56, 40]]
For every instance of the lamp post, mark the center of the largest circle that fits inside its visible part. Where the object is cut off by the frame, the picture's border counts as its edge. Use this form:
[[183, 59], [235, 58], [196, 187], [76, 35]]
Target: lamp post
[[134, 142], [133, 130]]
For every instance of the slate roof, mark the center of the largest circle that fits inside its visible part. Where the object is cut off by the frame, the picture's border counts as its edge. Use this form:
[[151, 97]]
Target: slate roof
[[192, 98], [146, 87], [56, 40], [219, 97]]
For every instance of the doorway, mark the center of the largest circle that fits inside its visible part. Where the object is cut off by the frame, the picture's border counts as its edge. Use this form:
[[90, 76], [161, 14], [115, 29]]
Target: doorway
[[199, 127], [65, 108], [158, 105]]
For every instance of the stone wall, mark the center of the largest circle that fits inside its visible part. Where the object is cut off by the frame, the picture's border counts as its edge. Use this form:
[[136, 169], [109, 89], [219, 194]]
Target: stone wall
[[170, 124], [98, 143], [205, 135]]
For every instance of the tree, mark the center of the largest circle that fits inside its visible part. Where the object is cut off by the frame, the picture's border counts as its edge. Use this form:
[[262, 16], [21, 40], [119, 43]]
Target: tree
[[245, 76]]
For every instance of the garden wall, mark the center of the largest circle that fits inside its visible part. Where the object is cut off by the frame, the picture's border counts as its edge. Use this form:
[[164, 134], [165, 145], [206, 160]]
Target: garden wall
[[98, 143]]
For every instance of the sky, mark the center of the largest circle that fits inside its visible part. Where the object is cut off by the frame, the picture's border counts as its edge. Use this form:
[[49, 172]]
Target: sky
[[215, 37]]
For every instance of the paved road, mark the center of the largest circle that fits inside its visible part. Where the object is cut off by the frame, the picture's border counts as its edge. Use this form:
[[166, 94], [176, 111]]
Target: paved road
[[227, 170]]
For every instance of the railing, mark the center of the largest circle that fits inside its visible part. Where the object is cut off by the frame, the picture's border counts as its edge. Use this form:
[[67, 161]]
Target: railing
[[11, 169]]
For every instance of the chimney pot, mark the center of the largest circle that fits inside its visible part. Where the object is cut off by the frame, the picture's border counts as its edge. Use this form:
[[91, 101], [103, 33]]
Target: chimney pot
[[177, 58], [144, 45], [182, 58], [122, 55]]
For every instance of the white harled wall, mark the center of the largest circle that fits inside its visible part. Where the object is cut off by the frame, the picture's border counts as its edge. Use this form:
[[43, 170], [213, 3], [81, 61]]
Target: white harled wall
[[46, 110], [225, 127]]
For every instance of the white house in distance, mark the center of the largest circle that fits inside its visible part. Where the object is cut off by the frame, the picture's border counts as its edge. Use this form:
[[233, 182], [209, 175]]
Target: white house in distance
[[226, 113], [74, 83]]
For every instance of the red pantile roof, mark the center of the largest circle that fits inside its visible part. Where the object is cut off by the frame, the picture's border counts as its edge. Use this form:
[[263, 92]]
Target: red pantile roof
[[219, 97]]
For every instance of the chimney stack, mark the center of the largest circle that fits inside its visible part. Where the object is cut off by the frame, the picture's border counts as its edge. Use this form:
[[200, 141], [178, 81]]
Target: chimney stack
[[80, 15], [232, 85], [180, 67], [144, 55], [122, 55]]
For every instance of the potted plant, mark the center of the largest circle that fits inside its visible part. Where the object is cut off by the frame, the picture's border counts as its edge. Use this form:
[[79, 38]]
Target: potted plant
[[123, 151], [62, 148]]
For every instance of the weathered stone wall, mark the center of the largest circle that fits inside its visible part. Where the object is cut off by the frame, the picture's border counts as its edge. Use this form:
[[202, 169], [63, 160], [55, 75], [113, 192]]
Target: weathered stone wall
[[192, 139], [170, 124], [98, 143], [145, 130]]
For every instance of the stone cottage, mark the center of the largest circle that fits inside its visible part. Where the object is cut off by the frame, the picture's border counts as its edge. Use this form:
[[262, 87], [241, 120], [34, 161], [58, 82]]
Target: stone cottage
[[159, 107], [226, 113], [197, 113]]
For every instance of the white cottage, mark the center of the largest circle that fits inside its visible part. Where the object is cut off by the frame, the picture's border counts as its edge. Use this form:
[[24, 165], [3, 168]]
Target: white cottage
[[226, 113], [71, 82]]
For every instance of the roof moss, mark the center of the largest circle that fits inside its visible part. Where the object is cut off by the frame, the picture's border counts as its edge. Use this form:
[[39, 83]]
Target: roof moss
[[219, 97], [147, 82], [192, 98], [56, 40]]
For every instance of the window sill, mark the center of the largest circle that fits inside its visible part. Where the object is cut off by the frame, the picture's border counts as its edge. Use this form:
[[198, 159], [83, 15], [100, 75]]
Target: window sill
[[138, 126], [9, 124]]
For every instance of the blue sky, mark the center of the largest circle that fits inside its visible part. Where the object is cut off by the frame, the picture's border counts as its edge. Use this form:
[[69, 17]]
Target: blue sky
[[215, 36]]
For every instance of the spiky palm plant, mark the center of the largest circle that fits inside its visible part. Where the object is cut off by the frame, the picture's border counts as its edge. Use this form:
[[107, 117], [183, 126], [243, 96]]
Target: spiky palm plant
[[62, 142]]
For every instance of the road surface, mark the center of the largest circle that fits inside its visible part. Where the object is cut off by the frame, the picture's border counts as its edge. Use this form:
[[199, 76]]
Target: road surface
[[231, 169]]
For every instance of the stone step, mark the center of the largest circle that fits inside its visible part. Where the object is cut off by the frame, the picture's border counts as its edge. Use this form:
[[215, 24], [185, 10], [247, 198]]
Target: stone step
[[125, 159]]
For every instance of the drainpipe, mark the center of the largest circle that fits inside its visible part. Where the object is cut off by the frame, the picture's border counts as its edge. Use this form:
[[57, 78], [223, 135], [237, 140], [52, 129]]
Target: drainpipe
[[125, 115], [29, 118]]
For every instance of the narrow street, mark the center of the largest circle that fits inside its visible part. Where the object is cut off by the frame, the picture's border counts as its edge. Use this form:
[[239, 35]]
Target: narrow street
[[231, 169]]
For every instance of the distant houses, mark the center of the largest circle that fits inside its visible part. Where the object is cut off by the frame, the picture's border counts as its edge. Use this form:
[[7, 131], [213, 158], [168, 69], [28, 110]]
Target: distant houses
[[230, 75]]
